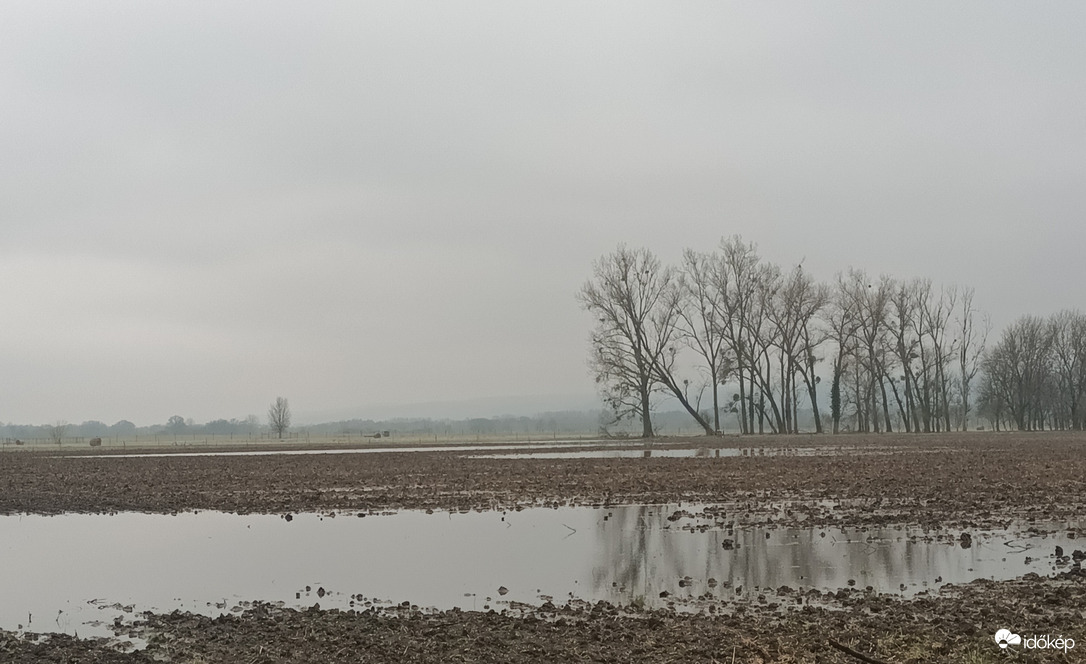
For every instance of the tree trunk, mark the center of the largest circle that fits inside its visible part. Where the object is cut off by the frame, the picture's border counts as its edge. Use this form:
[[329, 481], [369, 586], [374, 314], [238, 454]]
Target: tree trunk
[[835, 397], [885, 406], [761, 412], [750, 392], [716, 396], [670, 383], [646, 418], [742, 398], [812, 393]]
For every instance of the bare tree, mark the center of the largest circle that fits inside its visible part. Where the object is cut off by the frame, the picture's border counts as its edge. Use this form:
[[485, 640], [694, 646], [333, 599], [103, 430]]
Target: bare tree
[[990, 403], [901, 352], [794, 301], [936, 348], [937, 314], [737, 292], [636, 344], [628, 286], [57, 431], [702, 326], [1017, 372], [902, 323], [810, 301], [870, 302], [1068, 330], [841, 322], [924, 393], [970, 343], [664, 365], [279, 416], [764, 347]]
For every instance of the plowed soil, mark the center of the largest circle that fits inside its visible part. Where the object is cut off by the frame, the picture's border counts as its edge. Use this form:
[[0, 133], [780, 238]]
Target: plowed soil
[[939, 481], [936, 480]]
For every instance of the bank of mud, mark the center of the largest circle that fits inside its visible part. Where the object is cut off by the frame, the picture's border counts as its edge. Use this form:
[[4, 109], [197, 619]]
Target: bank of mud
[[956, 624]]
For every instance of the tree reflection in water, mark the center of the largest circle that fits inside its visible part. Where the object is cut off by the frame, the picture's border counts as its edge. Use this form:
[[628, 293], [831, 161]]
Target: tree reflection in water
[[641, 553]]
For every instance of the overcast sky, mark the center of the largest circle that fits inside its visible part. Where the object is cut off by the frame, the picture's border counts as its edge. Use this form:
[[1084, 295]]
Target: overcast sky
[[357, 205]]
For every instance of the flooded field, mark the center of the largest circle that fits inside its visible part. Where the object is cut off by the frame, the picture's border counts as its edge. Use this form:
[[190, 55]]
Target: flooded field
[[561, 449], [655, 556], [688, 452], [911, 548], [557, 444]]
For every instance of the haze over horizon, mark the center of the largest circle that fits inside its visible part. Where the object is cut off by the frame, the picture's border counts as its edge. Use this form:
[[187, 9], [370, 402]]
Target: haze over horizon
[[204, 206]]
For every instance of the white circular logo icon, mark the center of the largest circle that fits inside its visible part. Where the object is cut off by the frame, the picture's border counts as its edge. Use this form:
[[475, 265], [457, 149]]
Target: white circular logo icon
[[1006, 637]]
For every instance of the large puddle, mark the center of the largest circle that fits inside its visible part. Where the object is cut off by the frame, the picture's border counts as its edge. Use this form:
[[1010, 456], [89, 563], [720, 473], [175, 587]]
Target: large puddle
[[556, 444], [556, 449], [690, 452], [615, 454], [77, 573]]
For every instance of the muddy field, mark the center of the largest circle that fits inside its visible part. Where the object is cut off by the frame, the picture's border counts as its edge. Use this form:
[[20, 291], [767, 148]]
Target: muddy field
[[950, 627], [943, 483]]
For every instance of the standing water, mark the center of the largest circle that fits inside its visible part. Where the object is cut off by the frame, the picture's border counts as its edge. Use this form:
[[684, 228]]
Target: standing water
[[67, 573]]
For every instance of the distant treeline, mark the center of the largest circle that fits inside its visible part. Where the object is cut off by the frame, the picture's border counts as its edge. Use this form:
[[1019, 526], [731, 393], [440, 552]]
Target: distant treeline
[[571, 421], [543, 425], [1034, 377], [176, 425], [548, 424], [899, 354]]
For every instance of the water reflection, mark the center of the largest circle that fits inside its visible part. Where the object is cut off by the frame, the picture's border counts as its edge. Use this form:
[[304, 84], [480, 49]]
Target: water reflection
[[644, 554], [554, 444], [693, 452], [690, 452], [555, 449], [64, 573]]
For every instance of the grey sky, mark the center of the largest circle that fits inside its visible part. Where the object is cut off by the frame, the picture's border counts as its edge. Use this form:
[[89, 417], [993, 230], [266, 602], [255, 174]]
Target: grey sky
[[205, 205]]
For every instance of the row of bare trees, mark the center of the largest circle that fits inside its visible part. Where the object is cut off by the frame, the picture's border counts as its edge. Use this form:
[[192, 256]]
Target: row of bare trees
[[1035, 375], [900, 354]]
